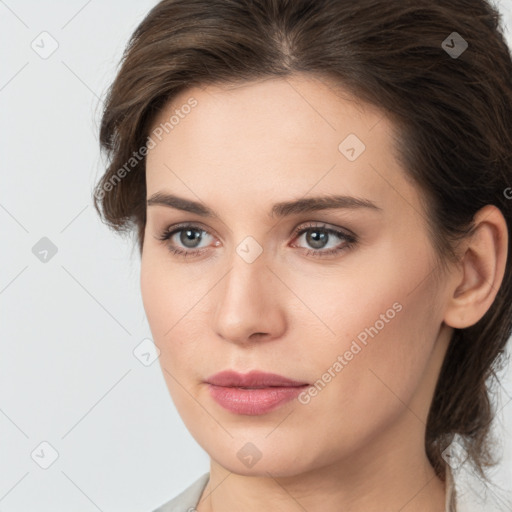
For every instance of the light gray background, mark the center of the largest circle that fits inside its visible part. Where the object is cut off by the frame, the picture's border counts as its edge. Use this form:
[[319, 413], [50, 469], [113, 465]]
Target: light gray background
[[68, 374]]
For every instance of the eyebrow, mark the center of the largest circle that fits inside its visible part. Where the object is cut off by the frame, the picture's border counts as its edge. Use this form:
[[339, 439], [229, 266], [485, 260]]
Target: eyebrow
[[282, 209]]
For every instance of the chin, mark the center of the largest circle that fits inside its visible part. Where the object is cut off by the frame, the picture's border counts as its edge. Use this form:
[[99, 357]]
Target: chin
[[261, 458]]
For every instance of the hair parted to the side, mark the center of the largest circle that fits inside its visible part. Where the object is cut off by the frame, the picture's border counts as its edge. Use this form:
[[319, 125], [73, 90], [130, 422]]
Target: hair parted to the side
[[453, 115]]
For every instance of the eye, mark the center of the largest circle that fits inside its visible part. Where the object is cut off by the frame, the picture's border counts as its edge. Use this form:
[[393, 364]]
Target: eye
[[324, 241], [185, 239]]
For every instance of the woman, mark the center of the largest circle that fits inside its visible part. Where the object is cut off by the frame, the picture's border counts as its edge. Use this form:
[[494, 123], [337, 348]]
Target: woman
[[321, 194]]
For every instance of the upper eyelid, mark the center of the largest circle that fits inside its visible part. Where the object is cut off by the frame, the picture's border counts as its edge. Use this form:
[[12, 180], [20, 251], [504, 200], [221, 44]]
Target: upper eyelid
[[326, 226], [182, 226]]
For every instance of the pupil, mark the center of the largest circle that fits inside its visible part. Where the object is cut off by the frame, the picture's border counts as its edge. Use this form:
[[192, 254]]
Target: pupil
[[317, 239]]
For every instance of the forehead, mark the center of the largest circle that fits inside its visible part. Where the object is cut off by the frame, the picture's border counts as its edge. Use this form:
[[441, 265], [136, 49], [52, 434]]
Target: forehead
[[300, 107], [277, 136]]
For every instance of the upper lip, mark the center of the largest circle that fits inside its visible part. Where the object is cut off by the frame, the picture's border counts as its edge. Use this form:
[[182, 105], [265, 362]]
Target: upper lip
[[253, 379]]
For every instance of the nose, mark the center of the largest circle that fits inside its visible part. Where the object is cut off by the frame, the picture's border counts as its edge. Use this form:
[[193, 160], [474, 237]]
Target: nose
[[249, 306]]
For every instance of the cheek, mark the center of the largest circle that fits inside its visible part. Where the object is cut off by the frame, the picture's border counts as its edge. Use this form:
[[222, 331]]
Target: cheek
[[174, 302], [158, 304], [383, 324], [163, 296], [367, 379]]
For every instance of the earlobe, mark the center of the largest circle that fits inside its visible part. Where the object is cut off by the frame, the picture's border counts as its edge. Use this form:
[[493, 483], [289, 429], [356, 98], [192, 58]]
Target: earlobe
[[481, 270]]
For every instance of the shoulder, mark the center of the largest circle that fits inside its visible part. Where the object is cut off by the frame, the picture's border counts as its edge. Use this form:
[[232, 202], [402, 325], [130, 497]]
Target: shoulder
[[187, 500]]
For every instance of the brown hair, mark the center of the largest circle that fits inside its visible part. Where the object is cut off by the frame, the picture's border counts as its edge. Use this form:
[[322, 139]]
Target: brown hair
[[453, 113]]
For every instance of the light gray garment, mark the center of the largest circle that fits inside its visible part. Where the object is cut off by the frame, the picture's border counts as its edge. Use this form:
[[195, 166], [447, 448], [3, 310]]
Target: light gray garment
[[188, 499]]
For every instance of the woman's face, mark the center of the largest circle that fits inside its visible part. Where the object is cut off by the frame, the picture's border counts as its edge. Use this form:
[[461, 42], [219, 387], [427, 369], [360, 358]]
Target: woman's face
[[342, 299]]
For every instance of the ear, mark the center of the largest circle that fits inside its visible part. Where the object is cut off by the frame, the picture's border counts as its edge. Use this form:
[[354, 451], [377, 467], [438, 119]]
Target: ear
[[481, 270]]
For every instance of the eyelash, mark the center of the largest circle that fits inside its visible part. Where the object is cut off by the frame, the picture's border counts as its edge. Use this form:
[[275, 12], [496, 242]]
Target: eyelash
[[350, 239]]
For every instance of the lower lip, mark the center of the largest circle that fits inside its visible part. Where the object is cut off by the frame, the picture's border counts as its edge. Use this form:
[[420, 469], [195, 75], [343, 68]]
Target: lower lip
[[253, 401]]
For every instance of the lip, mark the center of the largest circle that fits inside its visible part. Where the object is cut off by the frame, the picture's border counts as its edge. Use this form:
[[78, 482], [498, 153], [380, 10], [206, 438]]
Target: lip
[[253, 379], [253, 393]]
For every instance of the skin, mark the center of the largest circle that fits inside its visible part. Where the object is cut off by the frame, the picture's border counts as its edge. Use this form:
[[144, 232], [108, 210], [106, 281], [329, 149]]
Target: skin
[[358, 445]]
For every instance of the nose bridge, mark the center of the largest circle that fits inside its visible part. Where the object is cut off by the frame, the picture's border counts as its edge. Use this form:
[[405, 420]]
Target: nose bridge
[[247, 300], [248, 263]]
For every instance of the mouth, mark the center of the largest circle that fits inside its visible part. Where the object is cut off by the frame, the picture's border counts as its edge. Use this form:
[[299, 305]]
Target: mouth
[[254, 393]]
